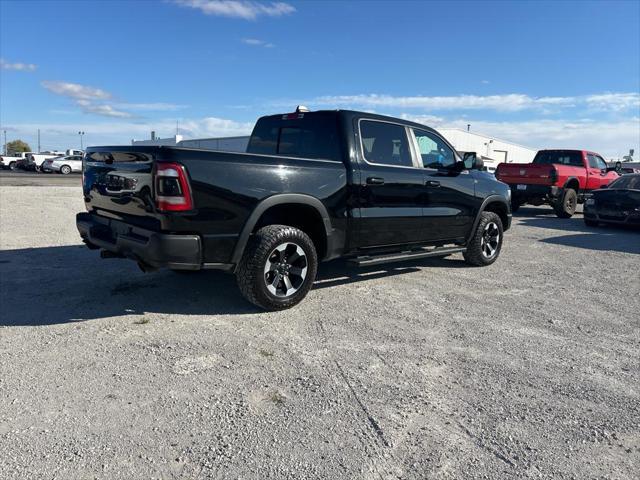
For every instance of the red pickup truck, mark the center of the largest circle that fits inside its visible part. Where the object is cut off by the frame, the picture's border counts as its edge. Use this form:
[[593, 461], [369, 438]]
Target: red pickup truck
[[559, 178]]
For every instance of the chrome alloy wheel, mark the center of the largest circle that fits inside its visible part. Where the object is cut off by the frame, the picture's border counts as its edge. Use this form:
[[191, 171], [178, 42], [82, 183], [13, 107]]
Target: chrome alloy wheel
[[285, 270], [490, 240]]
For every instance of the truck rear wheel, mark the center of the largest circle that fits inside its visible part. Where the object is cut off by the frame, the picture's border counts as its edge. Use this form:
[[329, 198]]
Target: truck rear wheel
[[278, 267], [12, 165], [485, 245], [565, 206]]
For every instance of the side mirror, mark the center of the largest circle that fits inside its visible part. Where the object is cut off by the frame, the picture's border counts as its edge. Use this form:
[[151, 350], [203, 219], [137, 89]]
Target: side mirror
[[472, 162]]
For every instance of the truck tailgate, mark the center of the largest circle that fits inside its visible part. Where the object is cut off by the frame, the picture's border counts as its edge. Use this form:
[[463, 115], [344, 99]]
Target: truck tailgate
[[118, 183], [525, 173]]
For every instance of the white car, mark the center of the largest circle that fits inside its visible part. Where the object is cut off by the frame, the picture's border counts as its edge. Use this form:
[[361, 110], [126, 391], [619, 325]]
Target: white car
[[64, 165]]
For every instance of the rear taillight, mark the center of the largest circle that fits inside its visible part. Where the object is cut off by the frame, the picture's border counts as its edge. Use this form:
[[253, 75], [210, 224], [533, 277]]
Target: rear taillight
[[553, 175], [173, 193]]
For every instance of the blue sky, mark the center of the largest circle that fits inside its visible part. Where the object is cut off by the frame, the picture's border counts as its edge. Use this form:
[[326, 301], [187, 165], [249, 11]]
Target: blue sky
[[542, 74]]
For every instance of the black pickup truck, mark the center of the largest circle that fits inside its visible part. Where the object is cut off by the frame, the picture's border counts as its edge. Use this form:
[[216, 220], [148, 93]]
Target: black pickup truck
[[312, 186]]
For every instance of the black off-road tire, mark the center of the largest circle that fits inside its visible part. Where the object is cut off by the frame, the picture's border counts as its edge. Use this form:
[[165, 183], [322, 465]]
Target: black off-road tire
[[12, 166], [474, 254], [566, 205], [250, 274]]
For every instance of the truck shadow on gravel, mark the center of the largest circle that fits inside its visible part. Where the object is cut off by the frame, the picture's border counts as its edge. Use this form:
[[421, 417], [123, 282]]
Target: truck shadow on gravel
[[65, 284], [603, 238]]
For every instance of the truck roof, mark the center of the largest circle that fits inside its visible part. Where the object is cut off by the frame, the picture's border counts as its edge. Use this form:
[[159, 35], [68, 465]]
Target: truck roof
[[351, 114]]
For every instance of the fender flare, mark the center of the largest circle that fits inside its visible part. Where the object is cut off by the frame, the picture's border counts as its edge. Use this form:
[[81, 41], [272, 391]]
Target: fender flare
[[280, 199], [487, 201], [570, 179]]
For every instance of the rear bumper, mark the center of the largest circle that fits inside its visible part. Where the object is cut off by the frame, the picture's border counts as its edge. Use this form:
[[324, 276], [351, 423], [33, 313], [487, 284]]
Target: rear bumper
[[535, 191], [179, 252]]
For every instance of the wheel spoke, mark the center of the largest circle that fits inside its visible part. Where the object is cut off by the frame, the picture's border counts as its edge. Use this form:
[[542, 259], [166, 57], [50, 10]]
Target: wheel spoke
[[287, 283], [297, 271]]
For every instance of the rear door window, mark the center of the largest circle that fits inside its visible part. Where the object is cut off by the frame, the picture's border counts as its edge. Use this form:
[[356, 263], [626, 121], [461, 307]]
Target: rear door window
[[385, 143]]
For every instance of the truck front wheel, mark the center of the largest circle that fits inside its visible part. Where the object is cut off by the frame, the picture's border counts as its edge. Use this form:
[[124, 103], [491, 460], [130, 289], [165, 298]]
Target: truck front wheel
[[565, 206], [485, 244], [278, 267]]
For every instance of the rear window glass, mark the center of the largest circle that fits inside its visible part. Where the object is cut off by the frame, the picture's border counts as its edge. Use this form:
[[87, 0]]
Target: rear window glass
[[627, 181], [307, 136], [559, 157]]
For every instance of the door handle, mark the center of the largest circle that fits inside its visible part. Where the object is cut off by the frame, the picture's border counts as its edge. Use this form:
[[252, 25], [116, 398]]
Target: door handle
[[432, 183], [375, 181]]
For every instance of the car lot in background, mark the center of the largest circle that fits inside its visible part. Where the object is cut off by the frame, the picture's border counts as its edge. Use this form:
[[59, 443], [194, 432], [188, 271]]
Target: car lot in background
[[64, 164], [527, 367]]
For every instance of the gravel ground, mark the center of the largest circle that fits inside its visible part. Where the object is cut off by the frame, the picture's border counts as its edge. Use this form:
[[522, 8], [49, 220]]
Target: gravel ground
[[527, 368]]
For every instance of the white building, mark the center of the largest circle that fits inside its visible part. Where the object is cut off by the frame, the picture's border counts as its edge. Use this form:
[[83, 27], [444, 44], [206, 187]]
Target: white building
[[492, 150]]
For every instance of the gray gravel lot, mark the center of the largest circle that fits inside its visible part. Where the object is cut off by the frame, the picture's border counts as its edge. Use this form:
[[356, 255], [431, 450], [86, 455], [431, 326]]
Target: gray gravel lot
[[527, 368]]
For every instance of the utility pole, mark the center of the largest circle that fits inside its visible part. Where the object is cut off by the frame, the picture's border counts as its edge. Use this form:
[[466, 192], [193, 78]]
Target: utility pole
[[81, 134], [468, 127], [5, 142], [38, 140]]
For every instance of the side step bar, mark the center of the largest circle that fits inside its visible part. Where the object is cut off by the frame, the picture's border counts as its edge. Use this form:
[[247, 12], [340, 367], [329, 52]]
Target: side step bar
[[369, 260]]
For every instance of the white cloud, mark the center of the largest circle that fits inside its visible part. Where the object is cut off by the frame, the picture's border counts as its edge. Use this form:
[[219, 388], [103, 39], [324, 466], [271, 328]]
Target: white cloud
[[614, 101], [247, 10], [96, 101], [152, 107], [610, 138], [257, 43], [22, 67], [75, 90], [105, 111], [512, 102], [506, 102], [485, 82]]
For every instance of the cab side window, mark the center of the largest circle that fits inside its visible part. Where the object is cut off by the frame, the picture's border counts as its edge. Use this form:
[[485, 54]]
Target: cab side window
[[435, 153], [385, 143], [596, 162]]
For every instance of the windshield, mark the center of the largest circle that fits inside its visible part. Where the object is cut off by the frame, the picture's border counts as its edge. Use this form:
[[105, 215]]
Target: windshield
[[627, 181]]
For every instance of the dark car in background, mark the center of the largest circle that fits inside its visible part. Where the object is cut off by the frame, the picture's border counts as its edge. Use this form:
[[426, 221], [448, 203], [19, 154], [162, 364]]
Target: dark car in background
[[618, 203]]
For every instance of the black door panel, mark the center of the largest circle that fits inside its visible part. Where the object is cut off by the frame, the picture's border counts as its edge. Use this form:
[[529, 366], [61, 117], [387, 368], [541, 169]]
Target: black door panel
[[449, 204], [391, 207]]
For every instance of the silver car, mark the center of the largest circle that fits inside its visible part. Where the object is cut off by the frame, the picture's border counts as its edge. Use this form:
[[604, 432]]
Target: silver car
[[64, 165]]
